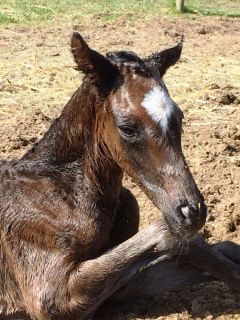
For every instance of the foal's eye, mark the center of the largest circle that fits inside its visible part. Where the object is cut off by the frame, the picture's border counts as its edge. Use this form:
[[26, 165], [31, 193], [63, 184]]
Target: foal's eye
[[128, 131]]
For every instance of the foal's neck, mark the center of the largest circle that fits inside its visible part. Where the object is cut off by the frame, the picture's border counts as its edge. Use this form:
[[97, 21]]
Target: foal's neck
[[72, 142]]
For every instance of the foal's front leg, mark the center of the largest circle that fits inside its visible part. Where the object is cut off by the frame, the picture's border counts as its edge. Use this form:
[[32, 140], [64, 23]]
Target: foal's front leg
[[95, 280], [221, 260], [199, 263]]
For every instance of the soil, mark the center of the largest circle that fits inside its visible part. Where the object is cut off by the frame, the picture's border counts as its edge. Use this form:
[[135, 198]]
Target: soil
[[37, 78]]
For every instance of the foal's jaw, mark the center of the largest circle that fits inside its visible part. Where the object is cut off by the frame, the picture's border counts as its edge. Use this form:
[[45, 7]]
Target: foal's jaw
[[174, 192], [169, 184]]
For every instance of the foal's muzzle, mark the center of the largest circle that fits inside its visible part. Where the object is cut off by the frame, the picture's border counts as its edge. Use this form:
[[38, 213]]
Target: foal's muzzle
[[189, 217], [192, 215]]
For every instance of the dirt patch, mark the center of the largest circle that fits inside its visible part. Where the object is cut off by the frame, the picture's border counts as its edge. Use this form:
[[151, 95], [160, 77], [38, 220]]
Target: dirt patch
[[37, 79]]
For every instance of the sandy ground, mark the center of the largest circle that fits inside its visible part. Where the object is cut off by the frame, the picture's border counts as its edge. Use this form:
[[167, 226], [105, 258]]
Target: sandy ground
[[37, 79]]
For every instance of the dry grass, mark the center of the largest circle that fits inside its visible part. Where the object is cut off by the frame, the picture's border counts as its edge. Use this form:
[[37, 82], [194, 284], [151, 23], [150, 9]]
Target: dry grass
[[43, 77]]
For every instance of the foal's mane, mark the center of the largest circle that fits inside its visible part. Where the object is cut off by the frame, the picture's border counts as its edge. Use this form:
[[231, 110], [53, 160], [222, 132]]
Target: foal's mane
[[130, 60]]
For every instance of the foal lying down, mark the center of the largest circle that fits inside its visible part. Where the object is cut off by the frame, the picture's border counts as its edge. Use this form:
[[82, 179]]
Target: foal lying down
[[69, 230]]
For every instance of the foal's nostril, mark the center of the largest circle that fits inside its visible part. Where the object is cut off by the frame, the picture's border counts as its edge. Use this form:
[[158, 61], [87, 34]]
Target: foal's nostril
[[191, 215], [189, 211], [184, 211]]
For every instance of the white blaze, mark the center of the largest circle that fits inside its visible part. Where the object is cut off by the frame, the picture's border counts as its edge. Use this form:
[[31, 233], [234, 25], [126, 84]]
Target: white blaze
[[159, 106]]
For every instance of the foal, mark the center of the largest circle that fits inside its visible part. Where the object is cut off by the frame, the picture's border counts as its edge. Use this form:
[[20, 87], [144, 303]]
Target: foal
[[68, 228]]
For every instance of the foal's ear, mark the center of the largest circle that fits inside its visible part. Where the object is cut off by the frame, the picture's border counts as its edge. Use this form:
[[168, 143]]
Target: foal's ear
[[166, 58], [89, 61]]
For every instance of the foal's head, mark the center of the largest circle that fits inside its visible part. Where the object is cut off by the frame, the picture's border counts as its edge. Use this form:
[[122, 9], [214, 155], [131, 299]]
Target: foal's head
[[141, 128]]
